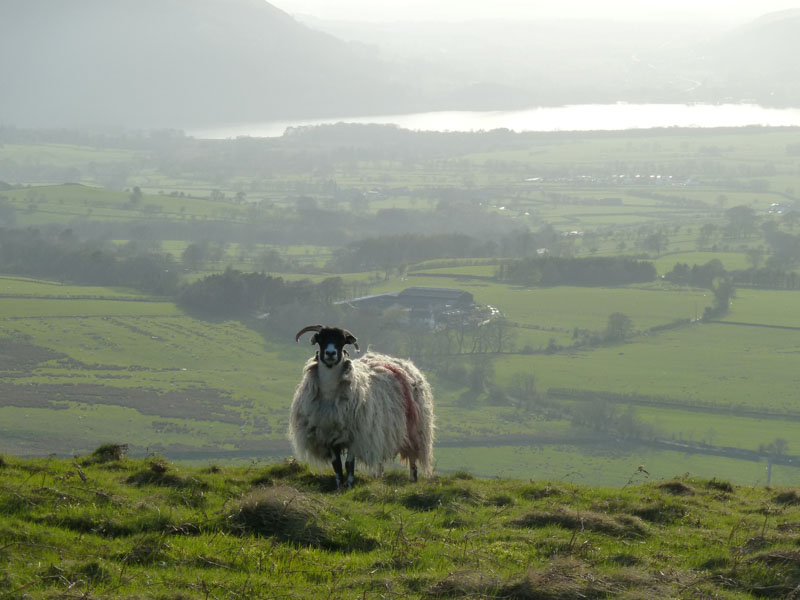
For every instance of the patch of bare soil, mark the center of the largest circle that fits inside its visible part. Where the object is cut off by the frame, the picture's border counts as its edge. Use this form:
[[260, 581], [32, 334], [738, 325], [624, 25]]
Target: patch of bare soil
[[194, 403], [21, 357]]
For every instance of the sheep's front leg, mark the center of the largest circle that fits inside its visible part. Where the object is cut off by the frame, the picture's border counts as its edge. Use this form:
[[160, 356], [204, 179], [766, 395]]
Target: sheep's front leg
[[351, 471], [412, 470], [337, 468]]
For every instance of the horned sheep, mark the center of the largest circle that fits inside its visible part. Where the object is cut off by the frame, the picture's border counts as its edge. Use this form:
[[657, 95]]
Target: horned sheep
[[374, 407]]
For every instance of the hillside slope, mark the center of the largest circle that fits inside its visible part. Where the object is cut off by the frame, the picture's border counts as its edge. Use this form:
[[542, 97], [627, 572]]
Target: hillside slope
[[103, 526], [172, 63], [760, 60]]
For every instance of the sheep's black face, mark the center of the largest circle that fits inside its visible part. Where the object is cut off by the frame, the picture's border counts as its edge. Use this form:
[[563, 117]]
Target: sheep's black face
[[331, 341]]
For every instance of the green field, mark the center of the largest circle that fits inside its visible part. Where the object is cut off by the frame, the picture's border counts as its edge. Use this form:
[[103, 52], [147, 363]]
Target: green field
[[605, 465], [709, 363]]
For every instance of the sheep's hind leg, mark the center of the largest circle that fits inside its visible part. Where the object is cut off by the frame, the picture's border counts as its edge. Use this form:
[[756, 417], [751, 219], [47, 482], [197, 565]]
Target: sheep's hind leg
[[412, 470], [350, 465]]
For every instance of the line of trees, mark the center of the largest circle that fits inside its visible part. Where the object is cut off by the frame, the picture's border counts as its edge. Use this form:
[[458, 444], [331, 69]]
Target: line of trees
[[697, 275], [766, 279], [235, 294], [713, 276], [64, 257]]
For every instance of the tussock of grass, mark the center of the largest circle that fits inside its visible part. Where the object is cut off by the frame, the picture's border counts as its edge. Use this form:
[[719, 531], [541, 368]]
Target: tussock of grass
[[500, 500], [787, 558], [147, 549], [624, 526], [563, 579], [283, 513], [722, 486], [436, 496], [158, 474], [660, 511], [676, 488], [71, 574], [566, 579], [788, 497], [537, 491], [279, 512], [105, 454], [464, 584], [771, 574]]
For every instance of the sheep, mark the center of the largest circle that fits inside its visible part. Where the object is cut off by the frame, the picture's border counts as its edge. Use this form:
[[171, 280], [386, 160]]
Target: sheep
[[375, 407]]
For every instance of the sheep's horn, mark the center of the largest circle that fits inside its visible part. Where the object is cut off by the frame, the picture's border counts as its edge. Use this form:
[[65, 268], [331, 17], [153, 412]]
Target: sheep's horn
[[306, 330]]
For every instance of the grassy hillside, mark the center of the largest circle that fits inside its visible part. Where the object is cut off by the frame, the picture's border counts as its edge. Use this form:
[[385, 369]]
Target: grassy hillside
[[104, 526]]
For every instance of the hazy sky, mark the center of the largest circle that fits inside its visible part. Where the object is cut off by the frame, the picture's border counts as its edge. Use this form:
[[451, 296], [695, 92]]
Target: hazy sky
[[458, 10]]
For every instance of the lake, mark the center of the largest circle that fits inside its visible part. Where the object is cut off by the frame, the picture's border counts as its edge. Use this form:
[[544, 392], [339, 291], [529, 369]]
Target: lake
[[577, 117]]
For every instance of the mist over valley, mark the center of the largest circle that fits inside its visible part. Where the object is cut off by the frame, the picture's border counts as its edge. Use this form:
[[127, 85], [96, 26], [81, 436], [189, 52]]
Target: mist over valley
[[182, 64]]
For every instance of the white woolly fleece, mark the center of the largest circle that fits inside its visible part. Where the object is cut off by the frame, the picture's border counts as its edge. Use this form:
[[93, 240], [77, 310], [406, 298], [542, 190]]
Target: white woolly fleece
[[368, 414]]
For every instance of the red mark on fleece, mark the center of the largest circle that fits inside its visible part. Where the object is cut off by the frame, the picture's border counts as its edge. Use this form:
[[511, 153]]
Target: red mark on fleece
[[412, 412]]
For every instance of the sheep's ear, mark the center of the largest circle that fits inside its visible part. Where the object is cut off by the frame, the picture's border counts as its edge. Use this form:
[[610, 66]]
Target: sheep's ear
[[351, 339], [313, 339]]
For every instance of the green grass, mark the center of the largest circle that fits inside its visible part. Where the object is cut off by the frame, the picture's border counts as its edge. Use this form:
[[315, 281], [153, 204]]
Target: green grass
[[720, 429], [596, 464], [766, 307], [725, 365], [108, 527]]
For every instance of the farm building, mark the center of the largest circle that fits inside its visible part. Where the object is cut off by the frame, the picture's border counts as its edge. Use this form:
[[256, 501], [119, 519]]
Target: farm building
[[426, 306]]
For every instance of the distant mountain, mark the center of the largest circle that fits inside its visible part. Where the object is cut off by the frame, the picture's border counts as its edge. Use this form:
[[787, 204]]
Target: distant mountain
[[501, 64], [175, 63], [760, 60]]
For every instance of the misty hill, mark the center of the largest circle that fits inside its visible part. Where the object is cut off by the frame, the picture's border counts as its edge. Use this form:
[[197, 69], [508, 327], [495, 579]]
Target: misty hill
[[171, 63], [500, 64], [761, 60]]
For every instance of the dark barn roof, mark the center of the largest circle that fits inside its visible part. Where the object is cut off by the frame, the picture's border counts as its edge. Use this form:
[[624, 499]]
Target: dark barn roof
[[416, 297], [437, 294]]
